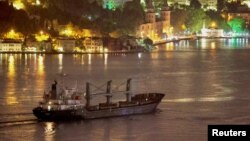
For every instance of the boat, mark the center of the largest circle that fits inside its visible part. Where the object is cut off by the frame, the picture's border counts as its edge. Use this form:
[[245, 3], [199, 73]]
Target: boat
[[72, 104]]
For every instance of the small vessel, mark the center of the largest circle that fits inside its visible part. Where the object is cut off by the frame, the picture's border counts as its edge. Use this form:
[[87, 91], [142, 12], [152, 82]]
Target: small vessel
[[71, 104]]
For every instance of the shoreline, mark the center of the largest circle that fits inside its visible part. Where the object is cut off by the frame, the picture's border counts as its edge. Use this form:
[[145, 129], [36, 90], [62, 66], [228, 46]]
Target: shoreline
[[226, 37], [126, 52], [197, 38], [110, 52], [175, 40]]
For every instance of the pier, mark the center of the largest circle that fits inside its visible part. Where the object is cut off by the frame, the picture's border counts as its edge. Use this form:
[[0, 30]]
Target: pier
[[174, 40]]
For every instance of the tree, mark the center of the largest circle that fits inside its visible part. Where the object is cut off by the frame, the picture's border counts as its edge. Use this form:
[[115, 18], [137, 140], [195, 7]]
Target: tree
[[218, 19], [233, 6], [221, 5], [132, 16], [196, 19], [158, 3], [148, 44], [195, 4], [106, 23], [237, 24], [178, 19]]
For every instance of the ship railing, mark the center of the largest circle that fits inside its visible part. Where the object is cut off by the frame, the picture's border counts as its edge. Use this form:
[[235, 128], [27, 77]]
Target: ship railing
[[109, 94]]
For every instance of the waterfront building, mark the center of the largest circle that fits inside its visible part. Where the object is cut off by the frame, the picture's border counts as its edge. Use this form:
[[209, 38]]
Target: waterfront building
[[93, 44], [65, 45], [209, 4], [113, 4], [181, 2], [11, 45], [212, 32], [206, 4], [247, 2], [155, 27], [32, 45]]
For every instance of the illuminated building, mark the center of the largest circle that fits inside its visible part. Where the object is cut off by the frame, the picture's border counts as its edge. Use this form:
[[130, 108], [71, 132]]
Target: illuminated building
[[113, 4], [34, 45], [247, 2], [11, 46], [155, 28], [65, 45], [181, 2], [207, 4], [93, 44], [212, 32]]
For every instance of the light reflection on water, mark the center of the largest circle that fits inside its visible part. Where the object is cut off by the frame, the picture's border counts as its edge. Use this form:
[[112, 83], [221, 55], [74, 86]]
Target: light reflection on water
[[60, 61], [203, 99], [89, 58], [230, 43], [11, 84], [105, 61], [49, 131], [204, 84]]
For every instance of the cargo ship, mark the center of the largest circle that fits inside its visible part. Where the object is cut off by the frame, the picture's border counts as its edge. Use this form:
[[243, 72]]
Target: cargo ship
[[71, 104]]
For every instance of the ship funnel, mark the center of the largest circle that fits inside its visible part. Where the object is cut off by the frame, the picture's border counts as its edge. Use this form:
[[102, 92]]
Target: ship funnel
[[87, 97]]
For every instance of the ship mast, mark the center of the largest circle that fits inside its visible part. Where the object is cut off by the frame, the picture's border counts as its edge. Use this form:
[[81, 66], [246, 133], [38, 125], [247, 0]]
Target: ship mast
[[87, 94], [109, 95], [128, 90]]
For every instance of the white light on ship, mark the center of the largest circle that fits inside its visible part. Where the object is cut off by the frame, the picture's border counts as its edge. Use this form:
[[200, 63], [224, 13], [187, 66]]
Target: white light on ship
[[49, 108], [139, 55]]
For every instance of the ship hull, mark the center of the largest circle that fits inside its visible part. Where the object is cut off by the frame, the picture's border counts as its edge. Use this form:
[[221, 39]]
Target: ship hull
[[125, 111], [43, 114], [142, 107]]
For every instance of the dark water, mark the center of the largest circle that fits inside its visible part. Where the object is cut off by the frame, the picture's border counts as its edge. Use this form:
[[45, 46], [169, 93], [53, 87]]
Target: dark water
[[205, 81]]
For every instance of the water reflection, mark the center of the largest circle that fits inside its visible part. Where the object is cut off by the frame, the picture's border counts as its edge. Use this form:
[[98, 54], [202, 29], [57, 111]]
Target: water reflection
[[60, 62], [169, 47], [1, 60], [25, 60], [237, 43], [155, 55], [105, 60], [11, 67], [213, 46], [40, 73], [169, 55], [185, 43], [202, 99], [35, 61], [11, 84], [49, 131], [139, 55], [40, 66], [231, 43], [89, 58]]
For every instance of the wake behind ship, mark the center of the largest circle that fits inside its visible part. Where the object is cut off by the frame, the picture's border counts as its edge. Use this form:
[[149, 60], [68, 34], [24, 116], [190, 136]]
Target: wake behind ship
[[71, 104]]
